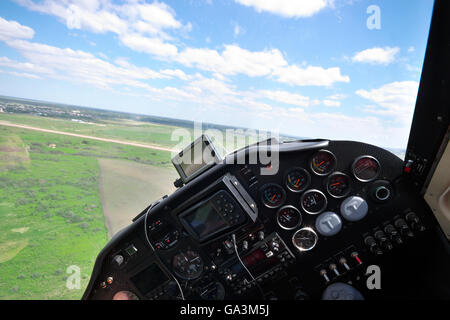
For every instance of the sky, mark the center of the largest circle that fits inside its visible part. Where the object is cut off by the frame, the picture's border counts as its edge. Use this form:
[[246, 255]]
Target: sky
[[334, 69]]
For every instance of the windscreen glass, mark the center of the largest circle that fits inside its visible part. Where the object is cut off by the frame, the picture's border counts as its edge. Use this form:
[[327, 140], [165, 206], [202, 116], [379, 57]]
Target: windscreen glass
[[97, 97]]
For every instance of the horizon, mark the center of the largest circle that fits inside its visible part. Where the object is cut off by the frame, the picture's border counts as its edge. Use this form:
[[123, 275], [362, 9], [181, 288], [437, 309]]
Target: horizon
[[402, 150], [338, 78]]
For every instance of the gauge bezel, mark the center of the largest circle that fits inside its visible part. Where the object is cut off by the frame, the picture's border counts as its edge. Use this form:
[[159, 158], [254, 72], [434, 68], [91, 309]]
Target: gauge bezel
[[310, 191], [328, 184], [362, 157], [308, 175], [289, 207], [193, 276], [262, 195], [331, 170], [303, 249]]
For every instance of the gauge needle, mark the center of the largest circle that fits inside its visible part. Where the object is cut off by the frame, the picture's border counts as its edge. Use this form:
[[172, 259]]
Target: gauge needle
[[321, 163], [335, 184], [296, 184], [273, 198]]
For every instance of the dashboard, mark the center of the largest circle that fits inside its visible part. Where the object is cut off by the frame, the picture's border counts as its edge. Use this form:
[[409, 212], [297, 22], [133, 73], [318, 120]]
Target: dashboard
[[328, 211]]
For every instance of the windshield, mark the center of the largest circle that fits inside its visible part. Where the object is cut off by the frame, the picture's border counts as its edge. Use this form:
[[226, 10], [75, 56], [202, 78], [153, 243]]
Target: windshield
[[95, 96]]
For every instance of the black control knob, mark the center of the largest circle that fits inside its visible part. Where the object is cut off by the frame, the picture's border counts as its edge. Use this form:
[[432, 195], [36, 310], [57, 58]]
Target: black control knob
[[404, 229], [415, 222], [412, 218], [393, 234], [418, 227], [383, 240], [373, 246]]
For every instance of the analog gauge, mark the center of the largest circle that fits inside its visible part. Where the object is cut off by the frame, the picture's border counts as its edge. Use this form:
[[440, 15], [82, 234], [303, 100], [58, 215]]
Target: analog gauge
[[297, 179], [338, 185], [305, 239], [187, 265], [366, 168], [313, 201], [273, 195], [288, 217], [323, 163]]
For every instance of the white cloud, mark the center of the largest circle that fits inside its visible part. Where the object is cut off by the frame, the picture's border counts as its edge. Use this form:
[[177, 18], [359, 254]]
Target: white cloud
[[233, 60], [21, 74], [139, 25], [395, 99], [288, 8], [237, 30], [14, 30], [177, 73], [153, 46], [384, 56], [331, 103], [337, 96], [309, 76], [286, 97], [23, 66], [143, 27], [80, 66]]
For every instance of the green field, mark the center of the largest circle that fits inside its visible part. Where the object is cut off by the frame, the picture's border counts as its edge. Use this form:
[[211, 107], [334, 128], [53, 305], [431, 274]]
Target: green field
[[62, 197], [51, 210], [126, 130]]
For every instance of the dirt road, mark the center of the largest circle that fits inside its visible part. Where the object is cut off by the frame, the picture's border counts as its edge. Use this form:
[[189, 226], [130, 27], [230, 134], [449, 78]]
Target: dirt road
[[134, 144]]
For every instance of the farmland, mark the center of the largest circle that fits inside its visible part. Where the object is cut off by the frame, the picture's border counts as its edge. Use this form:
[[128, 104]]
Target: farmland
[[51, 209], [63, 196]]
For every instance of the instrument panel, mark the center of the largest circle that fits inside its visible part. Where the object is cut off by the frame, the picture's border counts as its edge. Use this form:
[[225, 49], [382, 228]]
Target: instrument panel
[[235, 233]]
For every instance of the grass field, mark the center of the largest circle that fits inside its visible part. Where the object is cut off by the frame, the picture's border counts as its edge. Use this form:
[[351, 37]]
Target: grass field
[[51, 209], [62, 197], [126, 130]]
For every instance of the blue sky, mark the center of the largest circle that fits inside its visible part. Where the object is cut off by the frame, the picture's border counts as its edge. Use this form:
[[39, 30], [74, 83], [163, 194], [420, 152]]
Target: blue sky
[[309, 68]]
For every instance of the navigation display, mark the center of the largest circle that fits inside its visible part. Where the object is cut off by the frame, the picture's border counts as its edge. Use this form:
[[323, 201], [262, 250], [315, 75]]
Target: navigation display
[[205, 220]]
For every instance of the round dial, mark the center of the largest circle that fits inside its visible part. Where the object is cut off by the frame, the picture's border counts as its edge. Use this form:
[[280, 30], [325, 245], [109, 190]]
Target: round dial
[[187, 265], [304, 239], [313, 201], [273, 195], [338, 185], [297, 179], [323, 163], [289, 217], [366, 168]]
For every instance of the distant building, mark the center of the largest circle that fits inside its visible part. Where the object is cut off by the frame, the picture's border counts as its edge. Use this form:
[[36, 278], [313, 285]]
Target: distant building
[[1, 110], [52, 145]]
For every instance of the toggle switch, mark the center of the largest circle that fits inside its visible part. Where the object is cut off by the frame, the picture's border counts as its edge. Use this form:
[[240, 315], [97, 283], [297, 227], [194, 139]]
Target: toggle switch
[[245, 245], [343, 262], [334, 268], [261, 235], [355, 255], [323, 273]]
